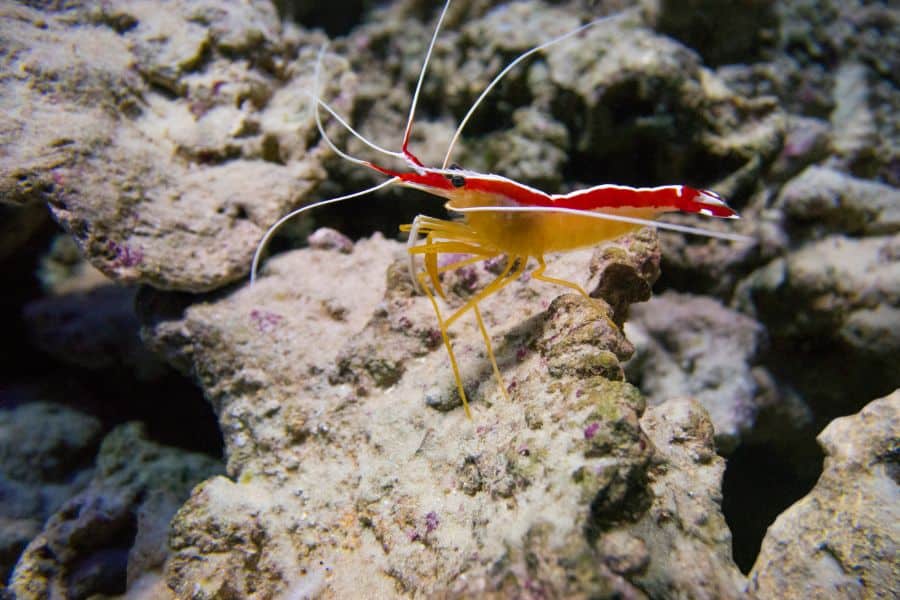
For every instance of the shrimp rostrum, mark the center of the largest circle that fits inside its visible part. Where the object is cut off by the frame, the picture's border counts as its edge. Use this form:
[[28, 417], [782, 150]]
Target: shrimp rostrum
[[497, 216]]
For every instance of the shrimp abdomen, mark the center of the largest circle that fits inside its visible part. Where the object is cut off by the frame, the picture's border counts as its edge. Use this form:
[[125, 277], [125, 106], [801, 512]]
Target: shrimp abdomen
[[536, 234]]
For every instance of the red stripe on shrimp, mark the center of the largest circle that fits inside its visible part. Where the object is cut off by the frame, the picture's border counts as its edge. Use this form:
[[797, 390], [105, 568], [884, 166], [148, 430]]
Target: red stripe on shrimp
[[664, 198], [516, 193]]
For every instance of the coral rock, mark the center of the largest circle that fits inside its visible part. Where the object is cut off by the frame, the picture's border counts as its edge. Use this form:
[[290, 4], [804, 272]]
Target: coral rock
[[841, 539], [114, 527], [693, 346], [340, 475]]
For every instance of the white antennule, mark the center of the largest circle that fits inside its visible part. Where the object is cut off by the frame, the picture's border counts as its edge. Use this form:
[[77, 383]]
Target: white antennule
[[271, 230], [509, 68], [356, 134], [415, 99], [317, 101], [734, 237]]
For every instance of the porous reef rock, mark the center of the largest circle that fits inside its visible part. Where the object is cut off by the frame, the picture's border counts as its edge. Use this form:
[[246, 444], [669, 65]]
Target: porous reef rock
[[112, 535], [93, 329], [821, 200], [351, 460], [45, 459], [841, 539], [831, 296], [837, 300], [694, 346], [167, 143]]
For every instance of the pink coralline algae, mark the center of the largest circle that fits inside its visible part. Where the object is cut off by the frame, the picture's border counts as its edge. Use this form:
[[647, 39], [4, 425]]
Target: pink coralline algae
[[431, 522], [125, 256], [265, 321]]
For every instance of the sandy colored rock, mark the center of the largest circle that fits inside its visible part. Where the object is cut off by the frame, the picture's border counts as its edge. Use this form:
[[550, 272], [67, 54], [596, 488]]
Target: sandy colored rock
[[841, 539], [833, 285], [120, 519], [690, 541], [348, 448], [826, 200], [180, 130], [693, 346], [160, 146]]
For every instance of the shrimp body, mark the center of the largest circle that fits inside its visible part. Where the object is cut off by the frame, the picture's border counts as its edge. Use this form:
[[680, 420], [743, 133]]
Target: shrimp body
[[501, 217], [533, 233]]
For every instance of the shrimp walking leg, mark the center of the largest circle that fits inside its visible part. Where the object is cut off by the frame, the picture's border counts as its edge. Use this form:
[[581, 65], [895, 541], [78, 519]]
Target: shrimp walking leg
[[481, 326], [507, 276], [423, 284], [490, 352], [539, 275], [502, 280], [431, 249]]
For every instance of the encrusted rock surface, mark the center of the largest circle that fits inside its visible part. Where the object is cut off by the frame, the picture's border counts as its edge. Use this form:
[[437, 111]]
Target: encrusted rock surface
[[557, 490], [844, 299], [45, 458], [166, 143], [175, 132], [840, 541], [110, 533], [821, 200], [693, 346]]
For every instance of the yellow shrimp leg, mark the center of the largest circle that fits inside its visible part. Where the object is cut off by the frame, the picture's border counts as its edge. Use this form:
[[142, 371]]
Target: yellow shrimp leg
[[456, 237], [495, 286], [444, 336], [502, 280], [539, 275], [481, 325], [490, 352], [431, 249], [450, 230], [466, 262]]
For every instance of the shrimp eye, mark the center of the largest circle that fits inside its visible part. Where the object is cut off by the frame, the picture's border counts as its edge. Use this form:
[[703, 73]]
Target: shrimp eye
[[457, 180]]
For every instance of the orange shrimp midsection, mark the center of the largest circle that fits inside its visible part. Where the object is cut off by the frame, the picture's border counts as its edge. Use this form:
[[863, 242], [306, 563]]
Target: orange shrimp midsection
[[535, 234]]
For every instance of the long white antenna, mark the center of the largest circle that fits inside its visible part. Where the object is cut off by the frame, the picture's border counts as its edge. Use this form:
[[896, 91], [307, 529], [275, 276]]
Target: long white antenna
[[317, 101], [260, 248], [734, 237], [415, 100], [271, 230], [506, 70], [355, 134]]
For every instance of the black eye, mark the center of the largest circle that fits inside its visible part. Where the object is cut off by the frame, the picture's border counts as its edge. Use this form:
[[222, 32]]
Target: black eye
[[457, 180]]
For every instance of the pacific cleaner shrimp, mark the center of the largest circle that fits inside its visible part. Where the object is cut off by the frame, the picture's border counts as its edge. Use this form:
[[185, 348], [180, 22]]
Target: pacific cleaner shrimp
[[499, 217]]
